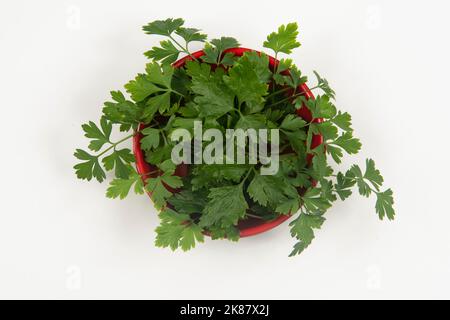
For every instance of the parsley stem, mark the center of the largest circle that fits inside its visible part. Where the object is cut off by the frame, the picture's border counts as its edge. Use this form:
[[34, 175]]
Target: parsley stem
[[285, 100], [164, 136], [183, 49], [353, 179], [277, 64], [253, 216], [177, 93], [278, 92], [114, 145], [247, 175], [149, 173], [291, 97]]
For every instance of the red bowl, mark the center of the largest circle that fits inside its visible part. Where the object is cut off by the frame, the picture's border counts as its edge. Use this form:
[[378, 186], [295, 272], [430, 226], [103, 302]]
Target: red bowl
[[251, 226]]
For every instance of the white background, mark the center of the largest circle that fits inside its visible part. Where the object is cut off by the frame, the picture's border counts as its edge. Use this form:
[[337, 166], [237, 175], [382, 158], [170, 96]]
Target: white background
[[61, 238]]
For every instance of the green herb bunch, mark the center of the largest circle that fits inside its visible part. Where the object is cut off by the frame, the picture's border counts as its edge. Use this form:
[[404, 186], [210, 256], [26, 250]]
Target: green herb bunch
[[224, 91]]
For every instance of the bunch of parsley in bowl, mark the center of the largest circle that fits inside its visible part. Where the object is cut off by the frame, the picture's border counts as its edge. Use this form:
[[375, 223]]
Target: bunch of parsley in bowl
[[225, 87]]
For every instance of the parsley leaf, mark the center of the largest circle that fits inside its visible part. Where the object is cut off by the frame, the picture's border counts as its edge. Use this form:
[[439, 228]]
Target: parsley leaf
[[157, 187], [323, 84], [271, 191], [343, 186], [177, 231], [249, 86], [121, 110], [189, 202], [314, 202], [302, 229], [343, 121], [285, 40], [99, 137], [214, 51], [225, 43], [227, 205], [385, 203], [290, 206], [118, 160], [163, 27], [159, 155], [326, 129], [373, 175], [355, 172], [347, 142], [322, 107], [214, 98], [150, 140], [336, 153], [120, 188], [252, 121], [229, 233], [158, 191], [161, 76], [141, 87], [167, 53], [320, 164], [191, 35], [205, 176], [90, 168], [157, 80]]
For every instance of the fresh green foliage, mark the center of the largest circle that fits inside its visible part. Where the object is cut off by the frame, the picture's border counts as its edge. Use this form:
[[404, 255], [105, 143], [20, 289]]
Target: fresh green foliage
[[157, 186], [90, 168], [385, 203], [213, 97], [323, 84], [214, 51], [227, 205], [191, 34], [123, 112], [177, 231], [170, 49], [303, 230], [225, 91], [120, 188], [283, 41], [99, 137], [271, 191], [163, 28], [207, 176], [151, 139], [118, 161], [167, 53]]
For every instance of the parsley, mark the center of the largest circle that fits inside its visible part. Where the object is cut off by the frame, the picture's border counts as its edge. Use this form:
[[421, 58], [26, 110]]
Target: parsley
[[283, 41], [90, 168], [120, 188], [177, 231], [323, 84], [214, 51], [163, 28], [224, 91], [227, 205], [170, 49], [271, 191], [248, 82], [151, 139], [214, 98], [303, 229]]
